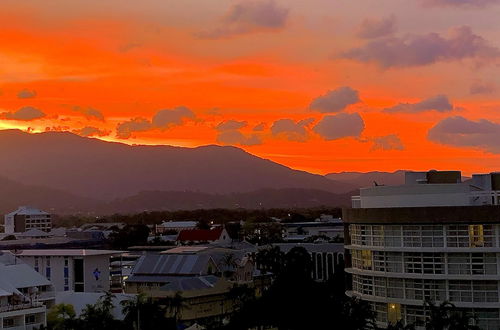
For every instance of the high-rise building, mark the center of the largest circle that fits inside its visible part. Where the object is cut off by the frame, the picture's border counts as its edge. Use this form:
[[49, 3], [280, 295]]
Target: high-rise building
[[435, 238], [26, 218]]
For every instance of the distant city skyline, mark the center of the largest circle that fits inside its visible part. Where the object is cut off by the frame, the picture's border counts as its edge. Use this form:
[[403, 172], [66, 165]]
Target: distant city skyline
[[323, 86]]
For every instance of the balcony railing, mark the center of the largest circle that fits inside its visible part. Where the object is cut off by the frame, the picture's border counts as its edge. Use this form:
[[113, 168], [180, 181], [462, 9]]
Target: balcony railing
[[10, 308]]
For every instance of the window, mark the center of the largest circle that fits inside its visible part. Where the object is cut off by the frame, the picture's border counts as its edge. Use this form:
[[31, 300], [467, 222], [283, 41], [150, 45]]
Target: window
[[366, 258], [424, 263], [30, 319], [433, 290], [8, 322], [393, 313], [476, 235]]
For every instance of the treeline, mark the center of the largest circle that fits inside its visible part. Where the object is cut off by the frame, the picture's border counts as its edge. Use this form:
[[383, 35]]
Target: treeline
[[219, 216]]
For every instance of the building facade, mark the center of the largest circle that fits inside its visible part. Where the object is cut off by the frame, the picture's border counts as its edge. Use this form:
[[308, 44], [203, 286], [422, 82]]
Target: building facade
[[75, 270], [398, 257], [26, 218]]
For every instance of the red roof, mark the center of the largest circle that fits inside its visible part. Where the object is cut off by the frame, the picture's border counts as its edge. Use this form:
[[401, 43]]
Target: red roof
[[200, 234]]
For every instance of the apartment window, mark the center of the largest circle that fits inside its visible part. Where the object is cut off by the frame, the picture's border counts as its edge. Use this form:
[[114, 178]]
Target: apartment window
[[472, 263], [460, 291], [457, 236], [423, 236], [366, 258], [381, 310], [424, 263], [8, 322], [380, 286], [392, 236], [433, 290], [476, 235], [415, 315], [36, 263], [485, 291], [393, 313], [30, 319], [488, 319], [395, 288]]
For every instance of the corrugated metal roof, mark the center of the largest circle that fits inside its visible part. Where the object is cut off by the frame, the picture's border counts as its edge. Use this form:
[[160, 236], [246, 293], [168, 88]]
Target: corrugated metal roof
[[172, 264]]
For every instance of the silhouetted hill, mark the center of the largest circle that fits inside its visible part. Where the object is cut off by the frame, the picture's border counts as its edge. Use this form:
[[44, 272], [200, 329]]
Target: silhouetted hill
[[105, 170], [360, 180], [13, 195]]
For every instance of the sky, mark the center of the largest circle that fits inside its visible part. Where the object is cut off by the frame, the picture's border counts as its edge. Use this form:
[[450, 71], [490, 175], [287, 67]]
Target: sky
[[318, 85]]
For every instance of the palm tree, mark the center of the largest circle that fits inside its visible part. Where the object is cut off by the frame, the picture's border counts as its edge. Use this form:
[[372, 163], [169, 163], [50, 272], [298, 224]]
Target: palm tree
[[446, 317], [358, 315], [228, 264], [144, 313], [175, 304], [61, 316], [400, 326]]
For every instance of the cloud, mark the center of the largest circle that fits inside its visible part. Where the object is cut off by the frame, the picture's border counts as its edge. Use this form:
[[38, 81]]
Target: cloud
[[418, 50], [249, 16], [89, 113], [24, 114], [335, 100], [480, 87], [236, 137], [259, 127], [26, 94], [230, 125], [388, 142], [291, 130], [126, 129], [91, 131], [461, 132], [438, 103], [372, 28], [167, 118], [459, 3], [333, 127]]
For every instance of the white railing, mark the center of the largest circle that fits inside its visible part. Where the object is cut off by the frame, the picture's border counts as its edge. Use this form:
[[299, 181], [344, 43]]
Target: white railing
[[493, 196], [10, 308]]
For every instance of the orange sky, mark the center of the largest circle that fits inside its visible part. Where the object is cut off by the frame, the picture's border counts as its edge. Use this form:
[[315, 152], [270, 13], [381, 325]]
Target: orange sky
[[99, 64]]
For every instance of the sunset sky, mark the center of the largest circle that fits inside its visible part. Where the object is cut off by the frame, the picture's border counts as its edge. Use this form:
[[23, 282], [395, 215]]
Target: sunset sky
[[317, 85]]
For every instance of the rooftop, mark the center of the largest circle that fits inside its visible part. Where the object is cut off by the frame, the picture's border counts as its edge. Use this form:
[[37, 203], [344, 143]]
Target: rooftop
[[172, 264], [28, 210], [65, 252]]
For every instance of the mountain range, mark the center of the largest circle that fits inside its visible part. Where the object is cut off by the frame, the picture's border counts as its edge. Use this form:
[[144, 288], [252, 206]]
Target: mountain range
[[66, 173]]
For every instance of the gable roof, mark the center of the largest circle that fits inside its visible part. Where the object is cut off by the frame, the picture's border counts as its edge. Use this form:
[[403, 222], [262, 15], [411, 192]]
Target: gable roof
[[200, 234], [172, 264]]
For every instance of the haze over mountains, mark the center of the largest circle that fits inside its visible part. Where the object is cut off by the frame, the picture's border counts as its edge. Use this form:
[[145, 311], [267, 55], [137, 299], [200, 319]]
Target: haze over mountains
[[68, 173]]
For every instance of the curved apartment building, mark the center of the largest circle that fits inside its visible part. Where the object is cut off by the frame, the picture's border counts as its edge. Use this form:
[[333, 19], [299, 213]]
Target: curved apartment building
[[434, 238]]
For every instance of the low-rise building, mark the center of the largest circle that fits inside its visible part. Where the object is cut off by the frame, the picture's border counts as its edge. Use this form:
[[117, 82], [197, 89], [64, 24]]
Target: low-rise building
[[202, 236], [174, 226], [25, 295], [77, 270], [26, 218]]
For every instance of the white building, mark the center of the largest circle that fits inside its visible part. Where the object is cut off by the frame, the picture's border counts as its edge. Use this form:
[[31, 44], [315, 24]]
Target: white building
[[434, 238], [26, 218], [25, 295], [75, 270], [177, 226]]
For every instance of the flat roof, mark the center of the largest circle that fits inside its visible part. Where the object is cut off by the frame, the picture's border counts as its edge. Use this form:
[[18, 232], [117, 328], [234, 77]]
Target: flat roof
[[64, 252]]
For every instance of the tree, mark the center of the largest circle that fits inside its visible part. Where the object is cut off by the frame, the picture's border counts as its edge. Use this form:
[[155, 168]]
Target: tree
[[100, 316], [445, 316], [61, 317], [144, 313], [358, 315], [129, 235], [400, 326], [270, 259], [175, 304], [228, 264]]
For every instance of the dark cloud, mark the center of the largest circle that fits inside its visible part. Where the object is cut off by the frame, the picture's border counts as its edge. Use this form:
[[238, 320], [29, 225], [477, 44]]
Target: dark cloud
[[420, 50], [249, 16], [126, 129], [89, 113], [26, 94], [24, 114], [459, 3], [438, 103], [481, 87], [335, 100], [291, 130], [230, 125], [388, 142], [233, 137], [372, 28], [461, 132], [167, 118], [338, 126], [91, 131]]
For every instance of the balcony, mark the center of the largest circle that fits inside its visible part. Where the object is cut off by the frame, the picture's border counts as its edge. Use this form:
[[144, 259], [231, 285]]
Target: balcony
[[16, 307]]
